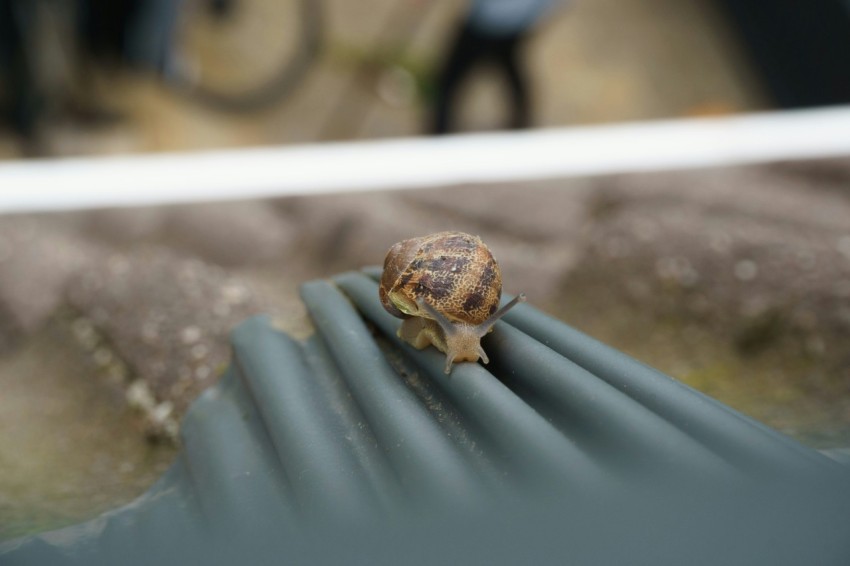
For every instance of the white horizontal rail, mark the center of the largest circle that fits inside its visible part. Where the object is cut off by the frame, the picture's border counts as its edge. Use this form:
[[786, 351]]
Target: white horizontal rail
[[60, 184]]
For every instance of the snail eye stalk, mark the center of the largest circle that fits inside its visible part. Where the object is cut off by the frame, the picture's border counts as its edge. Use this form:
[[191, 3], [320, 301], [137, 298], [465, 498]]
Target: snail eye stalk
[[485, 326], [463, 341]]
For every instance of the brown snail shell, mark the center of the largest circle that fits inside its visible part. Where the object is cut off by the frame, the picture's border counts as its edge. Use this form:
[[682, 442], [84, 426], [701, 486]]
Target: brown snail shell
[[446, 286]]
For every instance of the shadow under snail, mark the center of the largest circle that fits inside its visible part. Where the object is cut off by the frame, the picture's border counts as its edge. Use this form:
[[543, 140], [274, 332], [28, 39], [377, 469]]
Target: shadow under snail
[[446, 287]]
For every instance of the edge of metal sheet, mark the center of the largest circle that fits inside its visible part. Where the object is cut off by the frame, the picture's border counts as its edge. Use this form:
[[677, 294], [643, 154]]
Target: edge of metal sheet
[[352, 447]]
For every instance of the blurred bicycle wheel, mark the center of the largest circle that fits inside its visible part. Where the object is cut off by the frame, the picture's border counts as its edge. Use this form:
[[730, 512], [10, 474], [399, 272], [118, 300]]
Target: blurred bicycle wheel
[[244, 55]]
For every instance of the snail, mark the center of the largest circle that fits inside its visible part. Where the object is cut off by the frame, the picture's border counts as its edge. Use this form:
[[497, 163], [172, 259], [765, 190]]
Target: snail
[[446, 286]]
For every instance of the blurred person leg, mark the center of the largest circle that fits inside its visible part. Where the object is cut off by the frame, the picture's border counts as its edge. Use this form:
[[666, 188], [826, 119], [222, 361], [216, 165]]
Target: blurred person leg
[[101, 39], [102, 28], [151, 35], [22, 92], [468, 50], [506, 54], [495, 31]]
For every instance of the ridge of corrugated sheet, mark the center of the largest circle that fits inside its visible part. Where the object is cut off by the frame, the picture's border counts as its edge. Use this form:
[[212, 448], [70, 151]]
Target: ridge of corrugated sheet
[[352, 428]]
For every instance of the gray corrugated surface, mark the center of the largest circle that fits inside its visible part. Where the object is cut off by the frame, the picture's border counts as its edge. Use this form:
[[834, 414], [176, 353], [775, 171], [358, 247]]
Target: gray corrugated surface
[[351, 447]]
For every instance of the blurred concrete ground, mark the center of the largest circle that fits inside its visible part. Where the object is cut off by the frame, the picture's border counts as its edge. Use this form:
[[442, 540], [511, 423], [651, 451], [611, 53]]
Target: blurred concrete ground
[[594, 61]]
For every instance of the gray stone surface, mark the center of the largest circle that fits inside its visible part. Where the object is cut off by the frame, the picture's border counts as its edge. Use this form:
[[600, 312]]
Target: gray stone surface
[[752, 226], [736, 281], [69, 448], [231, 234], [167, 318], [531, 228], [38, 254]]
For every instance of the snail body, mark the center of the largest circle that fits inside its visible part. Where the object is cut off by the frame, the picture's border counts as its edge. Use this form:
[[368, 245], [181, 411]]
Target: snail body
[[446, 287]]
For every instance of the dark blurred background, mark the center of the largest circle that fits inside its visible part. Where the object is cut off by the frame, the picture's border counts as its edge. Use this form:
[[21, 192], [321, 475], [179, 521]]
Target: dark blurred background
[[92, 76], [150, 75]]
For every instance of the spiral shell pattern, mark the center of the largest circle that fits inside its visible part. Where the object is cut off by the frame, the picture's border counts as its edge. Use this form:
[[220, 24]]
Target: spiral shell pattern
[[453, 271]]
